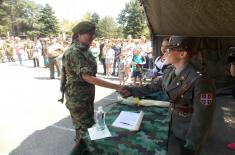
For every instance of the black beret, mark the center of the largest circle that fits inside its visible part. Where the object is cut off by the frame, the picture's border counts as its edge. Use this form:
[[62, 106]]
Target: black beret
[[186, 43], [84, 27]]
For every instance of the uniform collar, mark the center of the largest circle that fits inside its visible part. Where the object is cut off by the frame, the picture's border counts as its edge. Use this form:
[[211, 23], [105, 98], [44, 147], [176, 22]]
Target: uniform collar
[[181, 78], [178, 71]]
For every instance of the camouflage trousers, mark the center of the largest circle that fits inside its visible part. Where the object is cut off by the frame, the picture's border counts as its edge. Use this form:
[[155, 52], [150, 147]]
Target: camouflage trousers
[[82, 115]]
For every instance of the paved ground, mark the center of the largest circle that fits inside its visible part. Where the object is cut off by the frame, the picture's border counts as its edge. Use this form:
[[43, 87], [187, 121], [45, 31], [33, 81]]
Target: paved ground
[[34, 123]]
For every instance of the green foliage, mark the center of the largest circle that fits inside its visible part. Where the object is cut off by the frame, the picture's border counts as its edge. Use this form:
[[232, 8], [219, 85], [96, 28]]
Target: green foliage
[[49, 22], [18, 17], [107, 28], [132, 19], [25, 17], [87, 16], [95, 18]]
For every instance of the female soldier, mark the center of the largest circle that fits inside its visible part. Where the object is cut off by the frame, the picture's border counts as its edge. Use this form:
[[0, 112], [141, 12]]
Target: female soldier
[[79, 78], [192, 98]]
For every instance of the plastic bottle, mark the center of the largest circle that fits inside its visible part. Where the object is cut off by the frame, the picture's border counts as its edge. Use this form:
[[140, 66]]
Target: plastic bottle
[[100, 119]]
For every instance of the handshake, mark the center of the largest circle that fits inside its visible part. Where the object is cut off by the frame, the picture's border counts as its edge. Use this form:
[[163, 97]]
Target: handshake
[[231, 54], [125, 91]]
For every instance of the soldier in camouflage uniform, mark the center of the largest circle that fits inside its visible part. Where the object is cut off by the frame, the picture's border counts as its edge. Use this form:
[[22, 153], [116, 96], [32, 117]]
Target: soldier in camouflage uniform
[[9, 51], [78, 78], [192, 97]]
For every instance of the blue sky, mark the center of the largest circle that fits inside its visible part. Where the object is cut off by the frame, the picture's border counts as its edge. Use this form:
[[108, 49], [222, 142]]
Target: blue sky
[[75, 9]]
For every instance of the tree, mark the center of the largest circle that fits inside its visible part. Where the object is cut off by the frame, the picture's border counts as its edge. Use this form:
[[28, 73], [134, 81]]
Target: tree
[[67, 25], [95, 18], [49, 25], [132, 19], [19, 17], [87, 16], [107, 28], [4, 17]]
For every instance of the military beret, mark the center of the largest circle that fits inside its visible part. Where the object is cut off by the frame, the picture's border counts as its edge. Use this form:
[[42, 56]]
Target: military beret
[[84, 27], [186, 43]]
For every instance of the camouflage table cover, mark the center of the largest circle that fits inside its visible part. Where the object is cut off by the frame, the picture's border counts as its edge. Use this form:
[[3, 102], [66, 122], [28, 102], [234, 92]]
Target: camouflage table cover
[[151, 139]]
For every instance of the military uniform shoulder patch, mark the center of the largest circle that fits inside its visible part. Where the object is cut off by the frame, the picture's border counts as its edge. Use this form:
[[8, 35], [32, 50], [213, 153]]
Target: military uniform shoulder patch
[[206, 99]]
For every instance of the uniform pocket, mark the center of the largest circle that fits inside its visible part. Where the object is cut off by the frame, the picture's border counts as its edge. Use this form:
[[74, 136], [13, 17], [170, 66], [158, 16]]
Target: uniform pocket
[[180, 124]]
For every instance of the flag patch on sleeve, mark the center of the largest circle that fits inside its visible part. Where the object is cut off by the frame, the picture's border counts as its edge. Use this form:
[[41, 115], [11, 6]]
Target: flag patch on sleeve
[[206, 99]]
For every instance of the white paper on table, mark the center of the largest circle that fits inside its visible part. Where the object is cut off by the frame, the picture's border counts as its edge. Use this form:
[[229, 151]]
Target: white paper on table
[[95, 134], [129, 120]]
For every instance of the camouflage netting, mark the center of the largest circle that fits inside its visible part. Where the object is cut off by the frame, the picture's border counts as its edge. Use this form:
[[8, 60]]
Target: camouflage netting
[[211, 21]]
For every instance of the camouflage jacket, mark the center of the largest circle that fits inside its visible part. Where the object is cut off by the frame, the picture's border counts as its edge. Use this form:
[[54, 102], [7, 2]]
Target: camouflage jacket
[[78, 61]]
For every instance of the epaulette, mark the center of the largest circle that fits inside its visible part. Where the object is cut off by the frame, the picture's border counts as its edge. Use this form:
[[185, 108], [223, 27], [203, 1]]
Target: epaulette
[[167, 67]]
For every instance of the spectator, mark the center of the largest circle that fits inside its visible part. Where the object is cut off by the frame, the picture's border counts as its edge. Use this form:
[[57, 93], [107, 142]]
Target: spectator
[[128, 51], [109, 59], [121, 70], [54, 50], [117, 49], [137, 63], [159, 64], [95, 51], [19, 49], [37, 52], [103, 54]]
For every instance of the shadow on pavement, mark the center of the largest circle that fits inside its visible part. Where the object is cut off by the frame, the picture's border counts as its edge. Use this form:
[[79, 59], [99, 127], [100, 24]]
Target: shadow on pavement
[[56, 139]]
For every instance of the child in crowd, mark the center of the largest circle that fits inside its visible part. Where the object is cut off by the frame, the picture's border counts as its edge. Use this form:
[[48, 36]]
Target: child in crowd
[[137, 63]]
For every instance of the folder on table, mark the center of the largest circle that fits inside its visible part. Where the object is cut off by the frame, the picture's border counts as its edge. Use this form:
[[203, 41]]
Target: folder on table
[[129, 120]]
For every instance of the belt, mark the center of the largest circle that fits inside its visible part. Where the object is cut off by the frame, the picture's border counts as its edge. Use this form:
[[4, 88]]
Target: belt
[[183, 109]]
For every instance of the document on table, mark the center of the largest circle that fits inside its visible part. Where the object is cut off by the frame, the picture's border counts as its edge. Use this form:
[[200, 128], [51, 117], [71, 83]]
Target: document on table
[[95, 134], [129, 120]]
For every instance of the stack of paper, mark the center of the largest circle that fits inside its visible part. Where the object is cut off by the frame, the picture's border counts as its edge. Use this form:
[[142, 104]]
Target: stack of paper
[[129, 120]]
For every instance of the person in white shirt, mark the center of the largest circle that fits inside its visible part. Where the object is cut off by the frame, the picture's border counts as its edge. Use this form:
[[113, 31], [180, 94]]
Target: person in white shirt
[[109, 59]]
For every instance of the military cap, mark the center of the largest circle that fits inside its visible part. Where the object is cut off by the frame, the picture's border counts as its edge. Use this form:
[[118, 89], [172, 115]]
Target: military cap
[[84, 27], [186, 43]]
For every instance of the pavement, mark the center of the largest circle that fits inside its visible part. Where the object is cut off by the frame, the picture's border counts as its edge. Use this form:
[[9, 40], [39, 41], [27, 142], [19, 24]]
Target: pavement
[[34, 123]]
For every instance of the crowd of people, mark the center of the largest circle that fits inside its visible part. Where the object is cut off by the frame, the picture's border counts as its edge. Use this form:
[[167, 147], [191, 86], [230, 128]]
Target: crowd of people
[[129, 59]]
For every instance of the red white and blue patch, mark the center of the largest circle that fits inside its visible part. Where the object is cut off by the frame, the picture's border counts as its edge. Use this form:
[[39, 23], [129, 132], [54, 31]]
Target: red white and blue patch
[[206, 99]]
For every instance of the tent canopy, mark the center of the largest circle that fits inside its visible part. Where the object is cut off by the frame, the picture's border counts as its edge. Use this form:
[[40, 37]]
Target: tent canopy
[[199, 18]]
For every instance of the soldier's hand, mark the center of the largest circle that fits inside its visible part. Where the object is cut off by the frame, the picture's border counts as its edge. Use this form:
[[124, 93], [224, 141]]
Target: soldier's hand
[[125, 91]]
